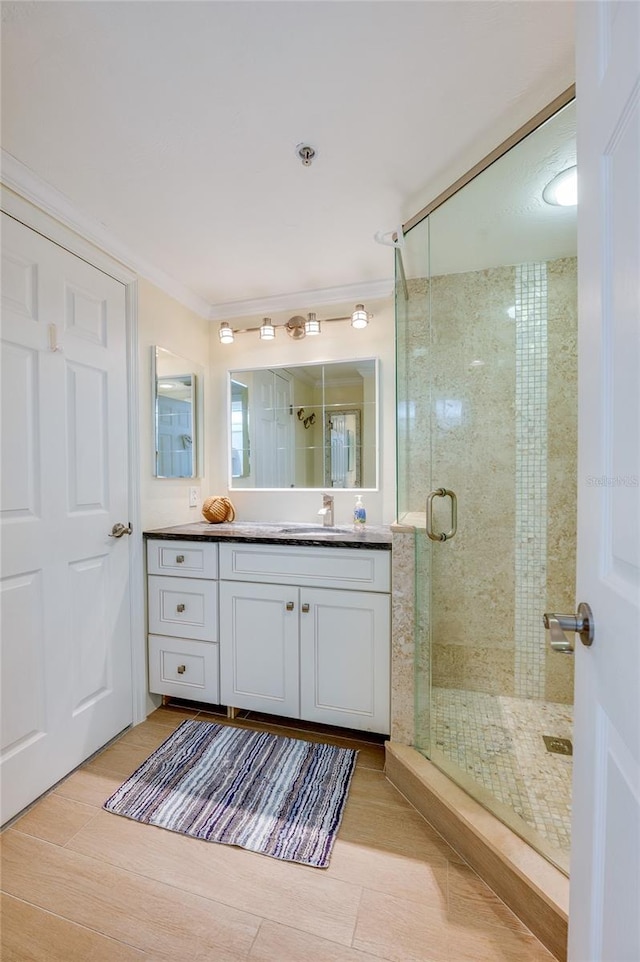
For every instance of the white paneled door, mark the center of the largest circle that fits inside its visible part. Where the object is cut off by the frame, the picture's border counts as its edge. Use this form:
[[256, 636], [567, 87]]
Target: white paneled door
[[604, 922], [66, 646]]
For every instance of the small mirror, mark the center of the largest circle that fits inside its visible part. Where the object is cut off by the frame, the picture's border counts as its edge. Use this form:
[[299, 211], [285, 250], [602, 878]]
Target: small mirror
[[175, 402], [239, 430], [342, 449], [308, 426]]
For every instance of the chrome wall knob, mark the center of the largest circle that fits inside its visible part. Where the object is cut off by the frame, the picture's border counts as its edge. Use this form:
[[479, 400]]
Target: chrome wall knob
[[581, 624]]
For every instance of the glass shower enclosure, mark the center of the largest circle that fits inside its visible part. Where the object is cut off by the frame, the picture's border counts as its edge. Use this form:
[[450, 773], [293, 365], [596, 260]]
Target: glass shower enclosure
[[486, 309]]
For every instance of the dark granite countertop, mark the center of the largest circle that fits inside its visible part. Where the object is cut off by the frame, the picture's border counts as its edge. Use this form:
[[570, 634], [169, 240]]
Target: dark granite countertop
[[377, 537]]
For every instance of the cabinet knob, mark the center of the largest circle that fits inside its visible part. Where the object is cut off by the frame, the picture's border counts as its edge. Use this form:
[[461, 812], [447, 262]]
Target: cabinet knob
[[179, 559], [181, 669], [305, 607], [180, 607], [289, 605]]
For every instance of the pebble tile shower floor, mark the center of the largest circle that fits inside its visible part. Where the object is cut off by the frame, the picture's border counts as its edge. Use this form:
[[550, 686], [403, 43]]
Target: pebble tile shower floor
[[497, 741]]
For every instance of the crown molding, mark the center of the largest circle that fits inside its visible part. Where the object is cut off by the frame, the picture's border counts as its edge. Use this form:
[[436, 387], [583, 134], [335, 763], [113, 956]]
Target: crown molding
[[366, 291], [23, 181]]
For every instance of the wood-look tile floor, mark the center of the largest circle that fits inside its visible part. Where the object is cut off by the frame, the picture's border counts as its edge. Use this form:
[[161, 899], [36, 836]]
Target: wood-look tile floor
[[82, 885]]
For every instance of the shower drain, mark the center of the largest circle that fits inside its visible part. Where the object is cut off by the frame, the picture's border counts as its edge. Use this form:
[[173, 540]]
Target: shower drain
[[561, 746]]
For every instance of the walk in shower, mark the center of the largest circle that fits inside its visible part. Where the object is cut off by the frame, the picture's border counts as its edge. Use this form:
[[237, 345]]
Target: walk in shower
[[486, 304]]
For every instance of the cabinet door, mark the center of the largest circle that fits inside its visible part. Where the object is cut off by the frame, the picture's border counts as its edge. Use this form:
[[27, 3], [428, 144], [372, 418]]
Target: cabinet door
[[183, 607], [344, 658], [184, 559], [259, 647], [184, 668]]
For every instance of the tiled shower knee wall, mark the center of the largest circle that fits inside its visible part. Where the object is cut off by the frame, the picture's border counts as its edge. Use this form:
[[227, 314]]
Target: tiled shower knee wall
[[531, 479]]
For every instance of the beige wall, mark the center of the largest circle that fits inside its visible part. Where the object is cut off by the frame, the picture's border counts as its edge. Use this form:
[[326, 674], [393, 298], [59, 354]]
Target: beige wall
[[165, 322]]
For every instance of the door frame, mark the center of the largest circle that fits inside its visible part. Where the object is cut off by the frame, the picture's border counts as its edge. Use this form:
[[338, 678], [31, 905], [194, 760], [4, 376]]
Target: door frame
[[42, 211]]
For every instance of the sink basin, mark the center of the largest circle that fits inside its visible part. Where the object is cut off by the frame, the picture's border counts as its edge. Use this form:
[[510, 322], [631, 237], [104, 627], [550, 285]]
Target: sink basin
[[304, 528]]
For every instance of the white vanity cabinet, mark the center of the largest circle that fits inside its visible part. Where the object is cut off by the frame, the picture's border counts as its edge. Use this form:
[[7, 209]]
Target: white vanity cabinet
[[305, 632], [183, 619], [259, 657]]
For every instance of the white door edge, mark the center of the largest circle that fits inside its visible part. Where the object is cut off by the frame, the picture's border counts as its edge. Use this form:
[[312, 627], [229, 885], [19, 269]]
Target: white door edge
[[38, 220]]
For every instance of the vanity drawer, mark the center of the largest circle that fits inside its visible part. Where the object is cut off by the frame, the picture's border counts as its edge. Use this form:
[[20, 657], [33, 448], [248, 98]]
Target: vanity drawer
[[183, 607], [319, 567], [191, 559], [184, 668]]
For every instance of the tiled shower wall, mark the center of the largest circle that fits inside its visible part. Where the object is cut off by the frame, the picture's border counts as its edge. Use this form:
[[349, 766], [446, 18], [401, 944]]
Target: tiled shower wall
[[473, 452], [497, 460]]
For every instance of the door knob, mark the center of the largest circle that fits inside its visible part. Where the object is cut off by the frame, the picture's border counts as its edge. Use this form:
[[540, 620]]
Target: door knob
[[581, 623], [119, 529]]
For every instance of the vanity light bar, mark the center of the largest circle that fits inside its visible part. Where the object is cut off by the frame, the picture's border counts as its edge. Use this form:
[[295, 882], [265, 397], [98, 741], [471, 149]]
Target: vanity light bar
[[297, 327]]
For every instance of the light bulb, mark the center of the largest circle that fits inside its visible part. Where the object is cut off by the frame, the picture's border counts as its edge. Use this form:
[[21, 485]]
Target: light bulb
[[562, 191], [312, 324], [267, 330], [359, 318], [225, 333]]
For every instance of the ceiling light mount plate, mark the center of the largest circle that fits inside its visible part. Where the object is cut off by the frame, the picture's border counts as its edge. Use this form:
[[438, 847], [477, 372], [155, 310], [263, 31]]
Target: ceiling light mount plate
[[306, 153], [295, 327]]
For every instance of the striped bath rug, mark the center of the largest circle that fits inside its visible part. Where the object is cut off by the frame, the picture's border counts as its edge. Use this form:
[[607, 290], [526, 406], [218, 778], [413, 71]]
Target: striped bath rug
[[279, 796]]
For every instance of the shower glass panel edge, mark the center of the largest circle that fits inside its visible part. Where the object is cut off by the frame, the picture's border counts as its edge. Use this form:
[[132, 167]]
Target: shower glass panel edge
[[413, 386]]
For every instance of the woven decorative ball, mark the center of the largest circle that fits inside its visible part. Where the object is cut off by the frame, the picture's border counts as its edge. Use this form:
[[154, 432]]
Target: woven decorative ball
[[217, 509]]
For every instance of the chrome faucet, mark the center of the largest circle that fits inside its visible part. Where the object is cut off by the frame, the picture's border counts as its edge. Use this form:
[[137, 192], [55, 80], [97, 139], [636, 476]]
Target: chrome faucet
[[327, 510]]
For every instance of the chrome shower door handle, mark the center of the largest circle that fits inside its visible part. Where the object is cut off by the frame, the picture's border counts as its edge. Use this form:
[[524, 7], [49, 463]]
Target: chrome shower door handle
[[443, 535]]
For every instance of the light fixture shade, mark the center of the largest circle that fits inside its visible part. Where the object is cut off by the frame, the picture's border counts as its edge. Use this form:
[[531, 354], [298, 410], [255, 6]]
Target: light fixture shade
[[267, 330], [312, 324], [562, 191], [225, 333], [359, 318]]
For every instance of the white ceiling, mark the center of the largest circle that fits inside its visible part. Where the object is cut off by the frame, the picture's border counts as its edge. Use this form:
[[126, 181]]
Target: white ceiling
[[500, 217], [173, 126]]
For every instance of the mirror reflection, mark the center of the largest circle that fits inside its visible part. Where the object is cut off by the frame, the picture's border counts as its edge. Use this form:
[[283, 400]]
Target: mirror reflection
[[174, 407], [305, 426]]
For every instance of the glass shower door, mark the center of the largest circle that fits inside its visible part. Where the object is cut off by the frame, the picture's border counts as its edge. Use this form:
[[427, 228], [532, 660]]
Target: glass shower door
[[487, 411]]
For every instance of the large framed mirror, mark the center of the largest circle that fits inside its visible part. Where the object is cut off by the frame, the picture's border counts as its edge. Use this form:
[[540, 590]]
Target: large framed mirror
[[304, 426], [176, 402]]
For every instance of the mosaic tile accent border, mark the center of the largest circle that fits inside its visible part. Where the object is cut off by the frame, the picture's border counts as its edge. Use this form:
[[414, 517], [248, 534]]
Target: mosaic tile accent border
[[531, 479]]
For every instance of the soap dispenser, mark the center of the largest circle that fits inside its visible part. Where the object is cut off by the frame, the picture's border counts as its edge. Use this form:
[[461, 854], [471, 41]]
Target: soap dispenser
[[359, 514]]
